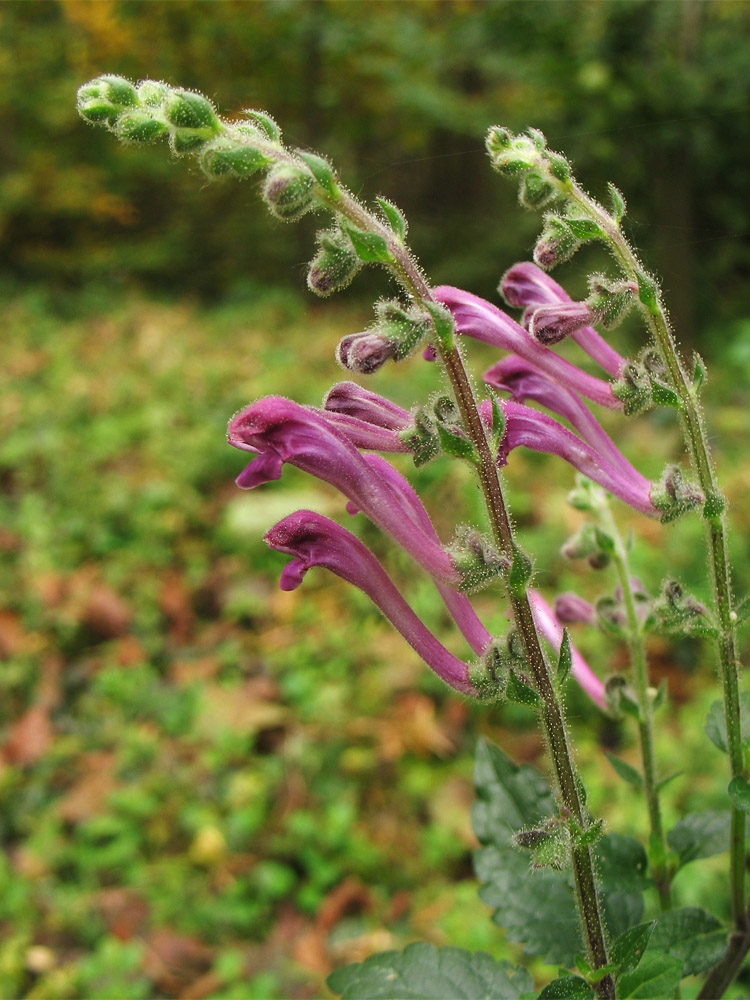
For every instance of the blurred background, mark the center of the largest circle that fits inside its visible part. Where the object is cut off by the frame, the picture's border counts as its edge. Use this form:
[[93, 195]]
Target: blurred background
[[208, 788]]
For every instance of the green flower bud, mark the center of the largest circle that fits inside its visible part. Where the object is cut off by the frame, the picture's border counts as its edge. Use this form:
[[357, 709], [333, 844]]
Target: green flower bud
[[153, 93], [535, 191], [264, 123], [235, 158], [421, 439], [674, 495], [405, 326], [499, 140], [139, 126], [185, 140], [556, 244], [335, 264], [289, 192], [610, 300], [188, 110], [105, 98]]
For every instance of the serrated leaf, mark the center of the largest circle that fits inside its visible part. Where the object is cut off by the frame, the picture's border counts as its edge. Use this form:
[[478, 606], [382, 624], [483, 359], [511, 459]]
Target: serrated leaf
[[565, 659], [566, 988], [657, 975], [700, 835], [626, 771], [739, 792], [424, 972], [394, 215], [321, 170], [537, 907], [691, 934], [628, 949], [371, 248], [716, 727]]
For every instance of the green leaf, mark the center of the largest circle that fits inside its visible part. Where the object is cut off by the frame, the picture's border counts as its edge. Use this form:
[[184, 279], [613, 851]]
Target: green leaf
[[716, 727], [456, 444], [628, 949], [520, 571], [424, 972], [626, 771], [498, 423], [566, 988], [700, 835], [663, 395], [699, 372], [693, 935], [322, 171], [511, 796], [395, 217], [371, 248], [565, 659], [656, 975], [537, 907], [519, 692], [618, 203], [739, 792], [585, 229]]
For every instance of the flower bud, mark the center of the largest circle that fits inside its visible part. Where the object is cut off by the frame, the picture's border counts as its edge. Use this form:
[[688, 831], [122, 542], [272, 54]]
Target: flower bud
[[289, 192], [105, 98], [335, 264], [535, 190], [553, 323], [570, 608], [422, 439], [674, 495], [490, 674], [405, 326], [228, 157], [153, 93], [364, 352], [476, 558], [187, 110], [585, 545], [556, 244], [139, 126], [610, 300]]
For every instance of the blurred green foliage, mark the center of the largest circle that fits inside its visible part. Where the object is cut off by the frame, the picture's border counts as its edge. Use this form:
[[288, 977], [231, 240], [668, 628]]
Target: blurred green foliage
[[648, 94]]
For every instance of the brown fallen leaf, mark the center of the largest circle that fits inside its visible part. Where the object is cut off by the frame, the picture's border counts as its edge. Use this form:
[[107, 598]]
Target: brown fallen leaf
[[175, 603], [106, 613], [30, 737], [88, 796], [174, 961]]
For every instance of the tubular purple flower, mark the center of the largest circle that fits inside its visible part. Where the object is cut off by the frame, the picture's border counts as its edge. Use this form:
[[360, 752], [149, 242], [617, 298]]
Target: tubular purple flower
[[551, 324], [526, 286], [314, 540], [570, 608], [475, 317], [368, 420], [523, 381], [532, 429], [280, 431], [364, 352], [552, 631]]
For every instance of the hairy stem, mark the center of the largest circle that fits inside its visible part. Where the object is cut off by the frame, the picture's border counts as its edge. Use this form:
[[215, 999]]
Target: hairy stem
[[552, 714], [637, 649], [696, 441]]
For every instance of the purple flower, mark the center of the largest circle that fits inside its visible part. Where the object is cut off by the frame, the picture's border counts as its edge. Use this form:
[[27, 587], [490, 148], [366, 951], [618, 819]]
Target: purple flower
[[551, 324], [523, 381], [552, 631], [314, 540], [532, 429], [368, 420], [364, 352], [279, 430], [571, 608], [526, 286], [475, 317]]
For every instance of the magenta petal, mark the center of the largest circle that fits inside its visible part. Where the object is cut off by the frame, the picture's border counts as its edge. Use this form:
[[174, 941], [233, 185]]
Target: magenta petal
[[293, 574], [552, 631], [265, 468], [475, 317], [314, 540]]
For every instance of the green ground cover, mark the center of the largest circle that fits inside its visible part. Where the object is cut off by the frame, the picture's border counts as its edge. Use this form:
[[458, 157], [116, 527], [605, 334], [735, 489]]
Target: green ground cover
[[210, 788]]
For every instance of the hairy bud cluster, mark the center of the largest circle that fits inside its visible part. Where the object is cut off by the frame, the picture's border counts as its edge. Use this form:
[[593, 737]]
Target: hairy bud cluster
[[678, 613], [589, 543], [476, 558], [397, 332], [674, 495], [334, 265]]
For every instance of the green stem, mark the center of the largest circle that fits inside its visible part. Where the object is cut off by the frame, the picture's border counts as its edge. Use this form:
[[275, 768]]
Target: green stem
[[553, 719], [696, 442], [637, 649]]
